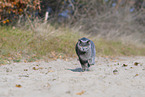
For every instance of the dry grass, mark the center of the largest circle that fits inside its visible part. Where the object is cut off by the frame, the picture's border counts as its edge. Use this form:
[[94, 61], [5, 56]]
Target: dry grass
[[50, 42], [117, 25]]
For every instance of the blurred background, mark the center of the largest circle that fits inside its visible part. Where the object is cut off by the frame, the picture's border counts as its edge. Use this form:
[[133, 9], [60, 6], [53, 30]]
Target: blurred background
[[120, 21], [107, 18]]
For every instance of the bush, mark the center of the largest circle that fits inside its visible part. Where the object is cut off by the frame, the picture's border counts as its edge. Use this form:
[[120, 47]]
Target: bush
[[12, 11]]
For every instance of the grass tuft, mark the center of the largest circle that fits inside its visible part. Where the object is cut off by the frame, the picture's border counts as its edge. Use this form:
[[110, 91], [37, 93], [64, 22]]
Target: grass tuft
[[17, 44]]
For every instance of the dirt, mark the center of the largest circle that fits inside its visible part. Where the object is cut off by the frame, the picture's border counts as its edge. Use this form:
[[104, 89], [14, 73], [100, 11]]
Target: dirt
[[109, 77]]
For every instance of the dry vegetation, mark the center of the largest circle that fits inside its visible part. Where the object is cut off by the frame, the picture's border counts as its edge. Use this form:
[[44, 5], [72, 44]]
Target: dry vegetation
[[115, 30], [114, 23], [118, 25], [19, 45]]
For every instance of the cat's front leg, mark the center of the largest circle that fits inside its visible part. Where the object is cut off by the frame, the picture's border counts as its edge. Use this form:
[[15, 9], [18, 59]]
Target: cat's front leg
[[85, 67], [91, 61]]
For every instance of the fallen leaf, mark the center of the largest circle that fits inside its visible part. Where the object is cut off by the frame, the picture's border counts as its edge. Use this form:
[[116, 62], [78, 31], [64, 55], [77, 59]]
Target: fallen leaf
[[50, 71], [136, 74], [131, 67], [23, 75], [35, 68], [80, 93], [136, 63], [18, 85], [115, 71], [124, 65], [25, 69]]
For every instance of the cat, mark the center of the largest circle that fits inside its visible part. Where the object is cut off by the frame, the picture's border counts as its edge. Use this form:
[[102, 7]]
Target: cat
[[86, 52]]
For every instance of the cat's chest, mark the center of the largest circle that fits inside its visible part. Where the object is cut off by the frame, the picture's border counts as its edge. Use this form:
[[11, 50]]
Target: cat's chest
[[85, 56]]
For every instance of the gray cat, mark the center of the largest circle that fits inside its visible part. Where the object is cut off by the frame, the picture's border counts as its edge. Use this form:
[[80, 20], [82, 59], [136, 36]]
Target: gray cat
[[86, 52]]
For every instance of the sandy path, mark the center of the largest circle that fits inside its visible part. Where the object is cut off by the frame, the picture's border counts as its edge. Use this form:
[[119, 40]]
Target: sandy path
[[63, 79]]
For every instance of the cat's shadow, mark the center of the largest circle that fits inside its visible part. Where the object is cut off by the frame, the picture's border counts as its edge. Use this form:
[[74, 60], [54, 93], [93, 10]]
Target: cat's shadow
[[76, 70]]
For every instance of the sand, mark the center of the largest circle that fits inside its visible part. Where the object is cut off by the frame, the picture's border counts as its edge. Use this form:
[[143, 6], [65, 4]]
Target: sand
[[109, 77]]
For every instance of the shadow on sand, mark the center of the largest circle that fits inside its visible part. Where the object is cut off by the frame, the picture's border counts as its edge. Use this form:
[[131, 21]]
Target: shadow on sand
[[76, 70]]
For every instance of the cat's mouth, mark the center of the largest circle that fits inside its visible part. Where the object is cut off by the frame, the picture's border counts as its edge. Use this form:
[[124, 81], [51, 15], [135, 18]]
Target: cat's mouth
[[84, 50]]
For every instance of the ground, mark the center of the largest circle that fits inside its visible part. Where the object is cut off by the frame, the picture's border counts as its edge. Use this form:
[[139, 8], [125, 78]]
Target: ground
[[109, 77]]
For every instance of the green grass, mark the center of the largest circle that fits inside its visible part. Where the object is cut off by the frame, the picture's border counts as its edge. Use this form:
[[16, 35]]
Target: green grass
[[17, 44], [116, 48]]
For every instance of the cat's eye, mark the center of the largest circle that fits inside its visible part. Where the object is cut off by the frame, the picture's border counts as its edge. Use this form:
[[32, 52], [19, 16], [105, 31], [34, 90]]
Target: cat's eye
[[80, 44], [88, 42]]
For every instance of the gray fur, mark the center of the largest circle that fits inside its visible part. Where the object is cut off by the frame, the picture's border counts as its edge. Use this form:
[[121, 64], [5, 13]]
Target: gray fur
[[86, 52]]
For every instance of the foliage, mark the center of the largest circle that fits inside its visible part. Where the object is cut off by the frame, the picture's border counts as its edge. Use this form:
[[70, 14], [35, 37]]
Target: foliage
[[12, 10], [15, 10]]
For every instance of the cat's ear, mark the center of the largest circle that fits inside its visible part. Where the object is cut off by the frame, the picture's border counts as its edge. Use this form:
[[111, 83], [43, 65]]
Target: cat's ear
[[79, 41], [89, 42]]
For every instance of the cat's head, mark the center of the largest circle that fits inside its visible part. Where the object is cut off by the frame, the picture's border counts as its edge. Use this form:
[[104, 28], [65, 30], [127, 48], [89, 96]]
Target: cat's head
[[84, 44]]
